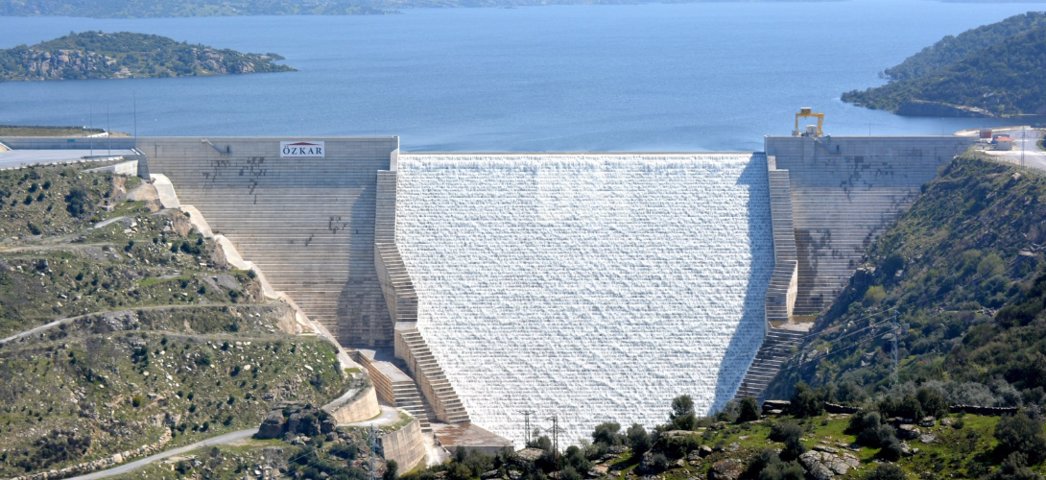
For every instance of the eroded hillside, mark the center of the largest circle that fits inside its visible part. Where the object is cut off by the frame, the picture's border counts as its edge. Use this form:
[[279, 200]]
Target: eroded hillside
[[124, 332]]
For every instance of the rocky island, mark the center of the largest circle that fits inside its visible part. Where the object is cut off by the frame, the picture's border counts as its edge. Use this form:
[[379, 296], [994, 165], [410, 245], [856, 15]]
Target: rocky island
[[99, 55]]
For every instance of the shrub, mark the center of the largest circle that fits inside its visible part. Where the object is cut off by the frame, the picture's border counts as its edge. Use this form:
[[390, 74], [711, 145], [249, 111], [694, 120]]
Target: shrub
[[682, 416], [748, 410], [658, 463], [806, 402], [638, 440], [76, 202], [607, 434], [390, 470], [767, 465], [1023, 434], [789, 433], [886, 471]]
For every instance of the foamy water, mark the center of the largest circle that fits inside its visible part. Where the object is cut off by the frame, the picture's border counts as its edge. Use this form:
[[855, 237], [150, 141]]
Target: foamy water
[[592, 287]]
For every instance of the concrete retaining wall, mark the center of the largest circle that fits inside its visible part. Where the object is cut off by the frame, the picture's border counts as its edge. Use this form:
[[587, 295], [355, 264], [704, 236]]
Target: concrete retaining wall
[[406, 446]]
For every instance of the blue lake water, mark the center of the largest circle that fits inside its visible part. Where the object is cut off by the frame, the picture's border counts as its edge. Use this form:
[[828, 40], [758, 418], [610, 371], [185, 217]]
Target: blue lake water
[[702, 76]]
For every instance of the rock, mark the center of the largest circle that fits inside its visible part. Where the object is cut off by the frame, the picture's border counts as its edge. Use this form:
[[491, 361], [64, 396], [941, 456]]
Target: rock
[[694, 456], [733, 447], [927, 438], [704, 450], [600, 470], [907, 431], [947, 421], [530, 454], [728, 469], [824, 465], [927, 422], [489, 474], [271, 427], [825, 448]]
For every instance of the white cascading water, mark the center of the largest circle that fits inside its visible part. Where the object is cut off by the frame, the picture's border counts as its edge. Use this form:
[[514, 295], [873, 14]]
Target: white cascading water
[[594, 287]]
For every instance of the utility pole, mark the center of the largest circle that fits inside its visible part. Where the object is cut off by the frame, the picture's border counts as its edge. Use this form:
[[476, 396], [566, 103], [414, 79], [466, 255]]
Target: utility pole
[[373, 437], [526, 426], [555, 438], [1024, 138], [896, 352]]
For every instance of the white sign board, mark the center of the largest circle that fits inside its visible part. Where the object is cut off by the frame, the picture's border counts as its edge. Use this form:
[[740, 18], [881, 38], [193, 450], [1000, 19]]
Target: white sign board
[[302, 150]]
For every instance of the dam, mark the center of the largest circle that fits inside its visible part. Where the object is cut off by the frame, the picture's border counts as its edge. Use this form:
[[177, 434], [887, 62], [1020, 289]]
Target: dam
[[590, 286]]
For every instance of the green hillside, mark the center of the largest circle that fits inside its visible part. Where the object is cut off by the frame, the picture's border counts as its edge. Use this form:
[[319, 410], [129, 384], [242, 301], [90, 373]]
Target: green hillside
[[148, 340], [995, 70], [98, 55]]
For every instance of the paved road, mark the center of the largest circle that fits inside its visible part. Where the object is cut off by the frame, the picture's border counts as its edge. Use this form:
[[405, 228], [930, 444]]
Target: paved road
[[1025, 140], [231, 437]]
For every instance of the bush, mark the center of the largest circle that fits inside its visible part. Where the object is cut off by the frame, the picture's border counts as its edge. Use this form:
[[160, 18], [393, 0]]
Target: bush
[[767, 465], [683, 416], [748, 410], [76, 202], [789, 433], [606, 434], [806, 402], [886, 471], [1023, 434], [390, 470], [658, 463], [638, 440]]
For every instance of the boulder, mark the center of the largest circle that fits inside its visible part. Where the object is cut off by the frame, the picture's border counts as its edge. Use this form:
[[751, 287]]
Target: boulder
[[728, 469], [271, 427], [824, 465], [907, 431]]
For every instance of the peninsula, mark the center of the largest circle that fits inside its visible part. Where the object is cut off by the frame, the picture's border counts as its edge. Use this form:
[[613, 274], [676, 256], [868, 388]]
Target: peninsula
[[99, 55], [994, 70]]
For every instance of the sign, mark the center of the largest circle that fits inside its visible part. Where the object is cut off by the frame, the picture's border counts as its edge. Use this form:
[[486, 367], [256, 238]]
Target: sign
[[302, 150]]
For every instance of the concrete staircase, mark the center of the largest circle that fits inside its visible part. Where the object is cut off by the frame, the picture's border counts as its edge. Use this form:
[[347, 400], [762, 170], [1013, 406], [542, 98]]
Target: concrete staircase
[[396, 388], [778, 346], [412, 349]]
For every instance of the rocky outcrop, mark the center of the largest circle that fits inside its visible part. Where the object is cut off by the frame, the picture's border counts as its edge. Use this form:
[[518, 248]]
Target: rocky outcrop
[[295, 420], [824, 463]]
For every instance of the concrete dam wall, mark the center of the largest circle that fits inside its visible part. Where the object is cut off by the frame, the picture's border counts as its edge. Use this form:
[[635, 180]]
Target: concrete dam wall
[[307, 222], [591, 286], [595, 287]]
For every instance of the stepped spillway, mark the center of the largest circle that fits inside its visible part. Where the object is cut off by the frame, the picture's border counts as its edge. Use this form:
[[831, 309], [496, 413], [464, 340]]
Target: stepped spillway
[[593, 287]]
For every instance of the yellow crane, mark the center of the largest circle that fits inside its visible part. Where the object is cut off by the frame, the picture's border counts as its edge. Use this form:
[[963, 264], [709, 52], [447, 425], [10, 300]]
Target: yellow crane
[[806, 112]]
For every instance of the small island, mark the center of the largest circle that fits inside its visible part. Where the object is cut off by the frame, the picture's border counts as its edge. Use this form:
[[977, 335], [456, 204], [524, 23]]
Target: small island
[[99, 55], [996, 70]]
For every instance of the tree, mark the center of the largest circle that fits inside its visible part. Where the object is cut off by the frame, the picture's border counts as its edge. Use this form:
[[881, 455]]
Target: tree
[[606, 434], [749, 410], [682, 416], [806, 402], [1023, 434], [638, 440]]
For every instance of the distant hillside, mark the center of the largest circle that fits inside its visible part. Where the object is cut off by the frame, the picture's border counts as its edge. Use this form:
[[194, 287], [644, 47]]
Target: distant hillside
[[965, 272], [98, 55], [205, 8], [994, 70]]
